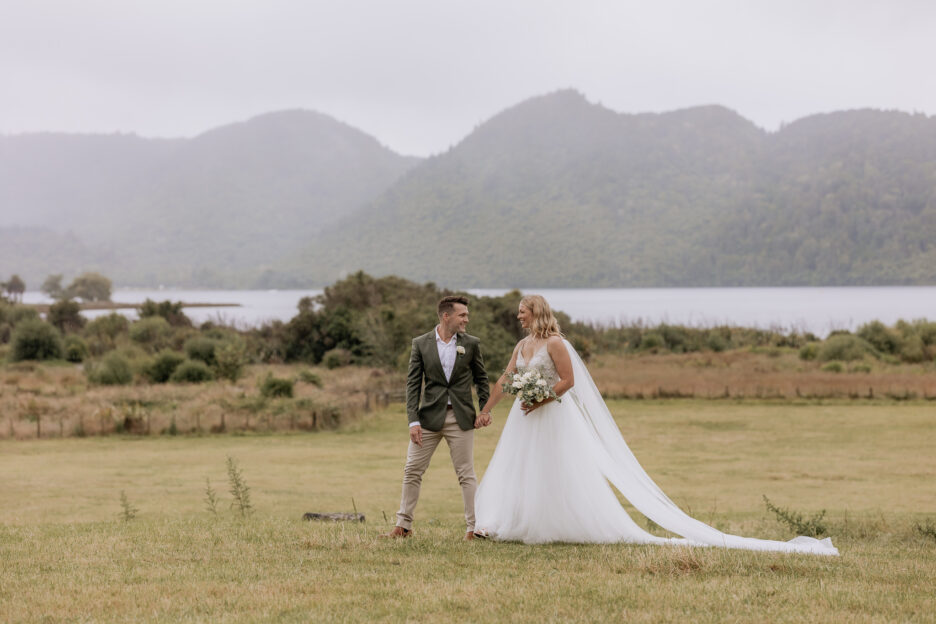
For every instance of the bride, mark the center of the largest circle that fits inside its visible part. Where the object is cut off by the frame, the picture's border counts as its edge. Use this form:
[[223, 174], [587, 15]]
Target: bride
[[548, 480]]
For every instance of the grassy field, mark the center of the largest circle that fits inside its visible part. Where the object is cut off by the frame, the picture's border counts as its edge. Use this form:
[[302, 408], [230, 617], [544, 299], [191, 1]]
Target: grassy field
[[67, 555]]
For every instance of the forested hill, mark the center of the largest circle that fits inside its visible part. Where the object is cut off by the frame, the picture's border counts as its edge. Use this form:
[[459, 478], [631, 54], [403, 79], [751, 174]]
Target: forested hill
[[561, 192], [217, 209], [555, 191]]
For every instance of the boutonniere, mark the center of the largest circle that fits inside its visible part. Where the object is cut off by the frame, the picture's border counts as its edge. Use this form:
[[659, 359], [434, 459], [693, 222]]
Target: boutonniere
[[460, 350]]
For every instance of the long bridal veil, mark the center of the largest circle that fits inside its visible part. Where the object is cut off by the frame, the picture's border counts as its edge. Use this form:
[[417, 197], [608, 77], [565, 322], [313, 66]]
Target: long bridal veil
[[621, 468]]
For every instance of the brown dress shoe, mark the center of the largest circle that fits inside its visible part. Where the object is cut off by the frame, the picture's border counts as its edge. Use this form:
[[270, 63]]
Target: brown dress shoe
[[398, 531]]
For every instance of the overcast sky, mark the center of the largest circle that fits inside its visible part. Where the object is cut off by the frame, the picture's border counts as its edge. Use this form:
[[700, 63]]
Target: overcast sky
[[421, 74]]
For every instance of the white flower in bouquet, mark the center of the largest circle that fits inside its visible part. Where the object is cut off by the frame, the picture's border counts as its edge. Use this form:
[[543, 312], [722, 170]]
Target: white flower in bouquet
[[529, 387]]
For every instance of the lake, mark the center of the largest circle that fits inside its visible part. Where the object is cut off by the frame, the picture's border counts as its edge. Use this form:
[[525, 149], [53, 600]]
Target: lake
[[819, 310]]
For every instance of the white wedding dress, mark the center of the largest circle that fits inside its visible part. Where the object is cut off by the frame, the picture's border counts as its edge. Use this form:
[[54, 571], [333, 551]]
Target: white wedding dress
[[550, 479]]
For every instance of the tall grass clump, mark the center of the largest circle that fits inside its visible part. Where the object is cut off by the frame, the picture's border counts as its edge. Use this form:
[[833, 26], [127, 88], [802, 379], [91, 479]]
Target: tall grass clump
[[813, 526], [127, 511], [239, 489]]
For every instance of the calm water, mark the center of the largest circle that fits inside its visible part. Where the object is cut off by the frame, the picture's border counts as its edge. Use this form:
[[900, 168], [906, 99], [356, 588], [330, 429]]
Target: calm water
[[819, 310]]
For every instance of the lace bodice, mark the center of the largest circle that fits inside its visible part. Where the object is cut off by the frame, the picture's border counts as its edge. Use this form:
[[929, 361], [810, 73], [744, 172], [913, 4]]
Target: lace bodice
[[540, 360]]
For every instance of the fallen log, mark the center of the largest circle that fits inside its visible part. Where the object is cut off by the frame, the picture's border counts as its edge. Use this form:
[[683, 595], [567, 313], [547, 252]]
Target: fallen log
[[334, 517]]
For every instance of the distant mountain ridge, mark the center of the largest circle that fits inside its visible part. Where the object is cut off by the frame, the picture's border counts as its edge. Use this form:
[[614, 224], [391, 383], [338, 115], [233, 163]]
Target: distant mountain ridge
[[559, 192], [553, 192], [213, 210]]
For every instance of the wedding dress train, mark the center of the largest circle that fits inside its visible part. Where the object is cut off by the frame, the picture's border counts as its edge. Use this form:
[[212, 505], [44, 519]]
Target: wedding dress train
[[550, 479]]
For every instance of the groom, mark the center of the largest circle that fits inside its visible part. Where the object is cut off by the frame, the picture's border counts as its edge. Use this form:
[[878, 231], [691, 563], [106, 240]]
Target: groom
[[448, 360]]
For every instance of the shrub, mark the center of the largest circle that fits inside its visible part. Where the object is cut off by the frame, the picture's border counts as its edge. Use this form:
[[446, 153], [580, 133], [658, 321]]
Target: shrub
[[833, 367], [880, 337], [110, 325], [35, 340], [230, 360], [810, 351], [307, 376], [18, 313], [336, 358], [276, 387], [678, 339], [153, 332], [113, 370], [812, 526], [651, 341], [844, 347], [191, 371], [202, 349], [76, 349], [163, 366], [168, 310], [716, 342], [861, 368], [912, 349], [66, 315]]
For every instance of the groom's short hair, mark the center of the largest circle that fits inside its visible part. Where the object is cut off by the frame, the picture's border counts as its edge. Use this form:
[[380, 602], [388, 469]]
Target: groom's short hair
[[448, 304]]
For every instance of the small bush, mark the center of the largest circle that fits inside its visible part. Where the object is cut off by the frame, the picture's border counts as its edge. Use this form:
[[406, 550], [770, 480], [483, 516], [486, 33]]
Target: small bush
[[110, 325], [202, 349], [153, 332], [230, 360], [276, 387], [844, 347], [66, 316], [880, 337], [913, 350], [76, 349], [833, 367], [113, 370], [191, 371], [809, 351], [861, 368], [651, 341], [798, 523], [16, 314], [307, 376], [336, 358], [168, 310], [717, 343], [35, 340], [163, 366]]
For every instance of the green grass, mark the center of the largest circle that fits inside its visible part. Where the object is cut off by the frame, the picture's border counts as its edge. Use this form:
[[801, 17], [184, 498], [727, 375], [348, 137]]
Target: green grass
[[67, 554]]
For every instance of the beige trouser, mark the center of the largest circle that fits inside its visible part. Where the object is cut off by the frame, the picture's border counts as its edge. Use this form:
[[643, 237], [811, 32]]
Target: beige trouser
[[461, 448]]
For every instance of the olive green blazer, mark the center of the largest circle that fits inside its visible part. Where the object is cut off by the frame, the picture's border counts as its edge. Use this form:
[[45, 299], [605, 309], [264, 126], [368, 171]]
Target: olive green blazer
[[427, 391]]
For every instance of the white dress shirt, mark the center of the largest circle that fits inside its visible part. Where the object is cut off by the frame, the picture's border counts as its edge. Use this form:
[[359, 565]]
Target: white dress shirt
[[447, 354]]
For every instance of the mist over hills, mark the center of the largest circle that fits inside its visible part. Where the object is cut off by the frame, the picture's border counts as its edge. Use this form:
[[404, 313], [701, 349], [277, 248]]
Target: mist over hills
[[555, 191], [214, 210]]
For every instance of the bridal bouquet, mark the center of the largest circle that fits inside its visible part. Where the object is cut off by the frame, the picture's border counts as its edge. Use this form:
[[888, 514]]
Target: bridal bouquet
[[529, 386]]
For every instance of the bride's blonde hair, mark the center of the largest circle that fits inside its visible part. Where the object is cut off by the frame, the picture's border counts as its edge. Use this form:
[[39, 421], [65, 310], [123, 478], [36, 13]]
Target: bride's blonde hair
[[544, 322]]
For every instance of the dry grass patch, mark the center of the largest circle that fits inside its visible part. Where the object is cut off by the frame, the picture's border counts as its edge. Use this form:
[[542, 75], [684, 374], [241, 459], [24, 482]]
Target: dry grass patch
[[57, 401], [763, 374]]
